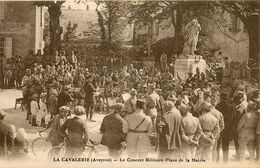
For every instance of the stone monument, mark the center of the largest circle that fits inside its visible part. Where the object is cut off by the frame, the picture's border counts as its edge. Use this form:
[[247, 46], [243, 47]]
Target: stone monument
[[189, 61]]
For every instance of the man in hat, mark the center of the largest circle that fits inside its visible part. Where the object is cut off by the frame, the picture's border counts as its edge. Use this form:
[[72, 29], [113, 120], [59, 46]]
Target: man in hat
[[112, 130], [246, 128], [240, 108], [130, 104], [210, 130], [77, 135], [89, 97], [138, 126], [152, 103], [190, 132], [172, 118], [6, 136], [224, 139], [220, 119]]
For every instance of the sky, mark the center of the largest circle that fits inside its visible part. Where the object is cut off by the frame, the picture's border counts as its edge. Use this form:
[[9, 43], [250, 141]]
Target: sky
[[81, 6]]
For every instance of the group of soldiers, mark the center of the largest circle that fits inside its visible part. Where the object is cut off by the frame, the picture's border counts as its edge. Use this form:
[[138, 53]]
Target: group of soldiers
[[187, 119]]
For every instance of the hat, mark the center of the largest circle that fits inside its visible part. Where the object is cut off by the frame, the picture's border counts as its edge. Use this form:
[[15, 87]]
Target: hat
[[133, 92], [2, 114], [64, 108], [171, 98], [206, 105], [117, 106], [88, 76], [79, 110], [183, 107], [241, 88], [140, 103], [168, 105], [151, 85]]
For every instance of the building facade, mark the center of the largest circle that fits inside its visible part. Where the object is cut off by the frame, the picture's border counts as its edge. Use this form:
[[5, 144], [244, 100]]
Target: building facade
[[21, 28]]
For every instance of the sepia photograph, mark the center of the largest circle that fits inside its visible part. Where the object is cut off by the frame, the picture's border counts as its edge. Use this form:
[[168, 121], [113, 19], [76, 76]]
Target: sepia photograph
[[129, 83]]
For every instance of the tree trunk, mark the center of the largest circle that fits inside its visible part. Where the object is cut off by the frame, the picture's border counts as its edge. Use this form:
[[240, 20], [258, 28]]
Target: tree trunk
[[150, 39], [253, 29], [178, 30], [55, 29]]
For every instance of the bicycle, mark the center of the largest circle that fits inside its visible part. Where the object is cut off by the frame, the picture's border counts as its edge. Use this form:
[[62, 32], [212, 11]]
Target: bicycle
[[59, 151]]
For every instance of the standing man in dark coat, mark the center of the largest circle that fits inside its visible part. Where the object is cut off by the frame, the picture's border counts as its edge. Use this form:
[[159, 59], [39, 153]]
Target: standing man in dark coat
[[64, 98], [6, 137], [224, 139], [77, 133], [89, 97], [172, 118], [112, 130], [240, 108]]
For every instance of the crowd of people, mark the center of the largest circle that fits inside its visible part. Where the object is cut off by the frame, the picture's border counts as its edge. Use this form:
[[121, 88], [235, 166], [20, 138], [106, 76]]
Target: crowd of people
[[192, 118]]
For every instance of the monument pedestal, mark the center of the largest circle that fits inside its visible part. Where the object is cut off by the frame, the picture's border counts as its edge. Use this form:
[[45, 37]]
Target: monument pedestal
[[187, 64]]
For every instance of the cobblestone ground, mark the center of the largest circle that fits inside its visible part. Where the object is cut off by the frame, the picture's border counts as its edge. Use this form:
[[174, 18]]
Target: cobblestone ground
[[17, 118]]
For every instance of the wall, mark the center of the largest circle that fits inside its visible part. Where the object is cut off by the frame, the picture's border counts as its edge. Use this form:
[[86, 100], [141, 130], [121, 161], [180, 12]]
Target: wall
[[233, 44], [19, 23]]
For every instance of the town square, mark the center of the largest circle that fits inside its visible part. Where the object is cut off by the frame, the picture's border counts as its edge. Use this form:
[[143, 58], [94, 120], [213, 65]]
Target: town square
[[162, 83]]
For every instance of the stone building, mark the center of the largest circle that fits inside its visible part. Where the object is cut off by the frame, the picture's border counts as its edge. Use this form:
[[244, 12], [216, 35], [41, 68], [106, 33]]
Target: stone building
[[21, 28]]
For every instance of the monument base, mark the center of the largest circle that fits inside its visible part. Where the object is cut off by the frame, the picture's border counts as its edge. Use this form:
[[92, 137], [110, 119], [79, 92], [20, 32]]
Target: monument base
[[187, 64]]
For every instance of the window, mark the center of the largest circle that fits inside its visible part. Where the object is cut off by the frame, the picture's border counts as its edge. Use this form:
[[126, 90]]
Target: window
[[140, 39], [235, 24]]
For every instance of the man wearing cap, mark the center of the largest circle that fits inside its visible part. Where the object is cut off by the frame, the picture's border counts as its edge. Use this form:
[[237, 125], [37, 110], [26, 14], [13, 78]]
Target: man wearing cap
[[190, 132], [220, 119], [6, 137], [225, 137], [55, 137], [112, 130], [130, 104], [89, 97], [172, 118], [240, 108], [138, 126], [152, 103], [77, 133], [210, 130], [246, 132]]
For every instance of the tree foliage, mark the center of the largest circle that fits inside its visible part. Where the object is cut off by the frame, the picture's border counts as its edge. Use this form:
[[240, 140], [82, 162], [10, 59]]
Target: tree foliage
[[111, 21], [70, 33]]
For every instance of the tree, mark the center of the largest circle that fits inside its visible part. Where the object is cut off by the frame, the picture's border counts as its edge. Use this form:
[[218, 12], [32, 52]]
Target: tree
[[54, 9], [111, 22], [248, 12], [70, 33]]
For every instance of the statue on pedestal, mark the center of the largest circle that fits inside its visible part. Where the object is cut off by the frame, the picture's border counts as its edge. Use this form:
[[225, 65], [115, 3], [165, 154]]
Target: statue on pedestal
[[191, 35]]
